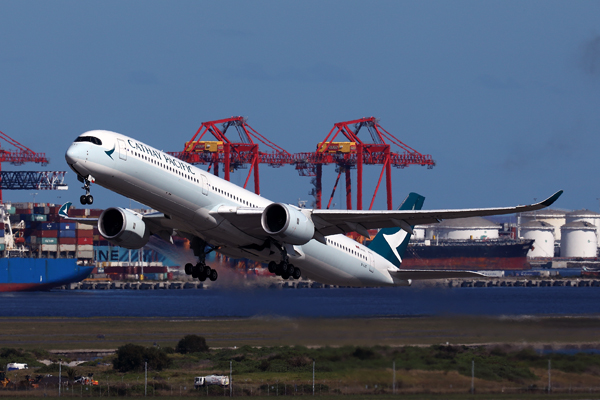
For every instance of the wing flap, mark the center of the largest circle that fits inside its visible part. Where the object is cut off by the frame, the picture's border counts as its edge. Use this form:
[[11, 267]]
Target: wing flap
[[244, 218]]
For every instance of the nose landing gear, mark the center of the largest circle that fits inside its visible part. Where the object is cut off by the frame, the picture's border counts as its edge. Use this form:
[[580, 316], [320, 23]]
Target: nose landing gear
[[86, 198]]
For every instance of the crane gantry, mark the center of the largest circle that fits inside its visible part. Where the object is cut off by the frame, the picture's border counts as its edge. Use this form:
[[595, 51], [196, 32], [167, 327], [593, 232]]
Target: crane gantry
[[27, 180]]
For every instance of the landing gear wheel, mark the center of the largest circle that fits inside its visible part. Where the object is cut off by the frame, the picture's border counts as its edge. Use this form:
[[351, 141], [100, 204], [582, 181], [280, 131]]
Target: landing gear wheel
[[290, 270], [200, 267], [284, 267], [272, 267], [89, 199], [297, 273], [213, 275], [194, 274], [188, 268], [83, 199], [202, 277], [285, 276]]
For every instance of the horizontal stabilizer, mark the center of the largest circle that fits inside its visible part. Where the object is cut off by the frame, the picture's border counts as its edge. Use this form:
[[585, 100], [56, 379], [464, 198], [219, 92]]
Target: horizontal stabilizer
[[418, 274], [64, 213]]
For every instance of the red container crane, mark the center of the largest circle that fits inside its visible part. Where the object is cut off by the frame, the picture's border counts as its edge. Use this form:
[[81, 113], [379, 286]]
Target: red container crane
[[355, 153], [233, 155]]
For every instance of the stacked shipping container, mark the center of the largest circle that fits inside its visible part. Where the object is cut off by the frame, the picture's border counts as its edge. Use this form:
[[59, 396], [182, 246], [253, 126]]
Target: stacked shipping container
[[38, 226], [47, 235]]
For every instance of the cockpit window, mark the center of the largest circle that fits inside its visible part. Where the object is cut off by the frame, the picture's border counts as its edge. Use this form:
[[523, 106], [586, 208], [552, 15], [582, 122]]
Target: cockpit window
[[91, 139]]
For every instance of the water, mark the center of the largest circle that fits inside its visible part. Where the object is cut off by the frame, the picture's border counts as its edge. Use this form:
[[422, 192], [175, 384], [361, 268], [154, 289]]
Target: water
[[393, 302]]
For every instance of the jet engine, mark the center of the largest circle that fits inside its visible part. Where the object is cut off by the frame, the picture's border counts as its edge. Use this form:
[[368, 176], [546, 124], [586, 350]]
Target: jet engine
[[123, 227], [287, 224]]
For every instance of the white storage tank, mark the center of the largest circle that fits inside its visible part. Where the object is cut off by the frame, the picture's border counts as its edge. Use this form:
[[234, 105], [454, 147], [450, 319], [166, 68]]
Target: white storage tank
[[543, 234], [555, 218], [464, 228], [585, 215], [419, 232], [578, 240]]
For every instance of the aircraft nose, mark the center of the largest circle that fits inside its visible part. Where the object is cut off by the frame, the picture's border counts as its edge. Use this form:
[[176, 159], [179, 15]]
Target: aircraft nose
[[72, 155]]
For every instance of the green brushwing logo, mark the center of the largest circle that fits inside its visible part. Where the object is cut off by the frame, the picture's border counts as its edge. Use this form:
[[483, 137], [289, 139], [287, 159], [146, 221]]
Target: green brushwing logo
[[63, 212], [109, 152]]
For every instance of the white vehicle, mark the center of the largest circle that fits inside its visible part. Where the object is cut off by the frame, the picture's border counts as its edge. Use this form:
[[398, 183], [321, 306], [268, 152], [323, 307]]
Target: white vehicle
[[217, 215], [220, 380], [16, 366]]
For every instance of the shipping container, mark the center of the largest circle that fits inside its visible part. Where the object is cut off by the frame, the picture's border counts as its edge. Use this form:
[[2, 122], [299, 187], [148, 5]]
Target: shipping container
[[79, 212], [31, 224], [66, 247], [67, 234], [85, 247], [2, 247], [47, 240], [85, 254], [50, 226], [67, 226], [23, 205], [85, 227], [85, 240], [64, 240], [154, 277], [41, 233], [85, 233], [49, 247]]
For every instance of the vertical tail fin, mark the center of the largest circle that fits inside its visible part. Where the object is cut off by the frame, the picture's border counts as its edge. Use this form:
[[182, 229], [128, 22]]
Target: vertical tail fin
[[391, 243]]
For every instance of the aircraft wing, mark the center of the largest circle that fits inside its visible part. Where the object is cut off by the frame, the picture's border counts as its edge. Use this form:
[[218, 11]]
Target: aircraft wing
[[330, 222]]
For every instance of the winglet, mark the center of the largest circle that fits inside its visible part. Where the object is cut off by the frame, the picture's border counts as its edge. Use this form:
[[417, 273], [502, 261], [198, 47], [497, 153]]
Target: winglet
[[64, 210], [548, 202]]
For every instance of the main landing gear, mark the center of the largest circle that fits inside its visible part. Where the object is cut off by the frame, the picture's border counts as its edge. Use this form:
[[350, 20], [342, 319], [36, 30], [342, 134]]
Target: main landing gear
[[284, 268], [200, 271], [86, 198]]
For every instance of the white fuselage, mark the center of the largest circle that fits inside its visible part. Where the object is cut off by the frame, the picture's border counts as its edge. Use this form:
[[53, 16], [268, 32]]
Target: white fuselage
[[190, 197]]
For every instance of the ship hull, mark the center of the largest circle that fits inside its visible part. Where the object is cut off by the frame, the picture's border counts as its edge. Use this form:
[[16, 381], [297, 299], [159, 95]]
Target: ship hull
[[32, 274], [469, 255]]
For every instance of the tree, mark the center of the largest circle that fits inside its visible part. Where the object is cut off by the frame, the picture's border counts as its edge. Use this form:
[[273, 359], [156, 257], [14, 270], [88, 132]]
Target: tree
[[131, 357], [192, 344]]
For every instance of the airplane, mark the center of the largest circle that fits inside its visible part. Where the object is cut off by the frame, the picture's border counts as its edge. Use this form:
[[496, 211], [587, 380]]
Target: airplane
[[217, 215]]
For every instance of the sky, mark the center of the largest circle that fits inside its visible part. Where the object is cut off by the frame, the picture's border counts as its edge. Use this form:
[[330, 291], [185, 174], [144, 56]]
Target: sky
[[504, 95]]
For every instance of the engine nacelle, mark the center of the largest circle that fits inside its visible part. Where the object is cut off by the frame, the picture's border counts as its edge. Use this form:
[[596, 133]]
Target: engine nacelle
[[123, 228], [287, 223]]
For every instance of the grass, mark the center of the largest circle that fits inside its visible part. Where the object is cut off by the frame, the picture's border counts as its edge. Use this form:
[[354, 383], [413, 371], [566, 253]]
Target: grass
[[110, 333]]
